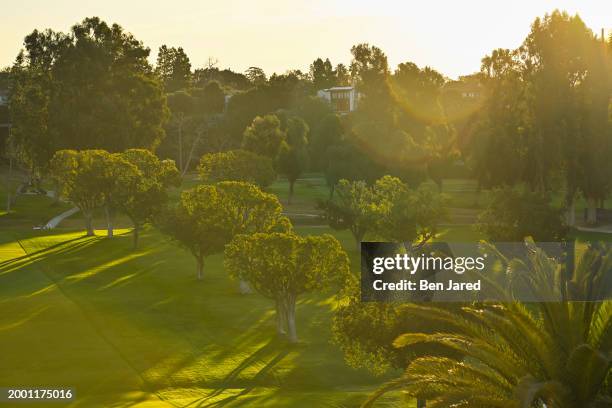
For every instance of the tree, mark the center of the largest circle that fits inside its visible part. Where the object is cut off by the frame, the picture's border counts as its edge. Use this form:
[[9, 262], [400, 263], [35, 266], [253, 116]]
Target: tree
[[90, 89], [237, 165], [183, 107], [173, 68], [211, 98], [199, 223], [553, 354], [80, 174], [256, 76], [123, 106], [407, 216], [264, 136], [328, 132], [343, 77], [322, 74], [29, 111], [226, 77], [293, 154], [370, 70], [420, 89], [557, 136], [346, 161], [352, 207], [150, 196], [118, 180], [282, 266], [209, 216], [62, 168], [516, 213]]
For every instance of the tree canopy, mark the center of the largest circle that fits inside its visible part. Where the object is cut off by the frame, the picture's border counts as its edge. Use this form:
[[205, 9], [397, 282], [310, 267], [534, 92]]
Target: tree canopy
[[207, 217], [282, 266], [237, 165], [92, 88]]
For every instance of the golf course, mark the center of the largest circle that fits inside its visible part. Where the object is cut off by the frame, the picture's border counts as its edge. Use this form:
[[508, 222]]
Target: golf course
[[125, 327]]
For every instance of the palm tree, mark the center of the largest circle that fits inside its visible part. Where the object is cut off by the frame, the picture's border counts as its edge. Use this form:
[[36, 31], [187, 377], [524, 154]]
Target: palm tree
[[521, 355]]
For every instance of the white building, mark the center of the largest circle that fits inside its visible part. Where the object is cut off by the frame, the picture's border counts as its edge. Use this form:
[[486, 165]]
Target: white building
[[342, 99]]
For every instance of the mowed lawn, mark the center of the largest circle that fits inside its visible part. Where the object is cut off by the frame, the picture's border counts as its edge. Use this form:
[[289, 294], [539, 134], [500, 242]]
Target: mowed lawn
[[135, 328], [128, 327]]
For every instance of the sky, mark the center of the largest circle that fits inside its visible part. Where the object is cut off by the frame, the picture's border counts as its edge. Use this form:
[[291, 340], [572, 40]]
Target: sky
[[278, 35]]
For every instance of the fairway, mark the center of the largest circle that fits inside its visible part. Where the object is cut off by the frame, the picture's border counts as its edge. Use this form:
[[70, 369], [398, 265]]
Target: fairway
[[125, 327]]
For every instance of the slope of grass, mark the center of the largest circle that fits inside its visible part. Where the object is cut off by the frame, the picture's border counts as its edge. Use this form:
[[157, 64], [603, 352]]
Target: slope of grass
[[136, 326]]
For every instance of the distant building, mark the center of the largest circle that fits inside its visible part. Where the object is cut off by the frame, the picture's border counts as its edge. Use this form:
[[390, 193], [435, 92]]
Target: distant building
[[342, 99], [467, 87]]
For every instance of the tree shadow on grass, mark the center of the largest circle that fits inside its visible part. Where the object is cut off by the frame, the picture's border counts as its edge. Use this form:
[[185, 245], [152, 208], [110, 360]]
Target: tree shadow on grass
[[40, 252], [34, 258], [275, 351]]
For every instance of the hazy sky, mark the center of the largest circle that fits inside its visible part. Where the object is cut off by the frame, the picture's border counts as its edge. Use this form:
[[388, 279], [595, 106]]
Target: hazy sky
[[276, 35]]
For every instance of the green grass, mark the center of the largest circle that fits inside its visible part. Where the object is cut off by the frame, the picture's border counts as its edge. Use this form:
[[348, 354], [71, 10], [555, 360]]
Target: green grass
[[135, 328], [123, 326]]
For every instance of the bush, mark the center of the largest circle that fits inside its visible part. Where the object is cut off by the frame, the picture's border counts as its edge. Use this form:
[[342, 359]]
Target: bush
[[237, 165], [516, 213]]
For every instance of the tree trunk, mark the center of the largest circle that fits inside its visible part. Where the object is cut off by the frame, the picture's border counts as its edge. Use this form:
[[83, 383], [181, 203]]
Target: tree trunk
[[180, 146], [358, 238], [332, 188], [88, 223], [291, 329], [109, 221], [421, 403], [280, 318], [200, 267], [591, 211], [291, 183], [244, 287], [56, 193], [8, 185], [135, 234], [571, 211], [188, 163]]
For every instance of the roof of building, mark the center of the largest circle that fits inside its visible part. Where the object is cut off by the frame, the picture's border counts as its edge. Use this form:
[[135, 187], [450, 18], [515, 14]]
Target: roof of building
[[339, 88]]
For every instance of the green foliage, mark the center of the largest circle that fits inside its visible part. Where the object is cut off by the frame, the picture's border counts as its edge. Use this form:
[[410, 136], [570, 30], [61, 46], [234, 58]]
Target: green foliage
[[293, 153], [209, 216], [558, 131], [353, 207], [282, 266], [264, 136], [173, 68], [94, 178], [517, 355], [237, 165], [345, 161], [516, 213], [407, 215], [194, 125], [91, 88], [256, 76], [312, 109], [388, 209], [322, 74], [226, 77], [365, 332], [328, 132], [29, 110], [134, 182], [149, 196], [211, 98]]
